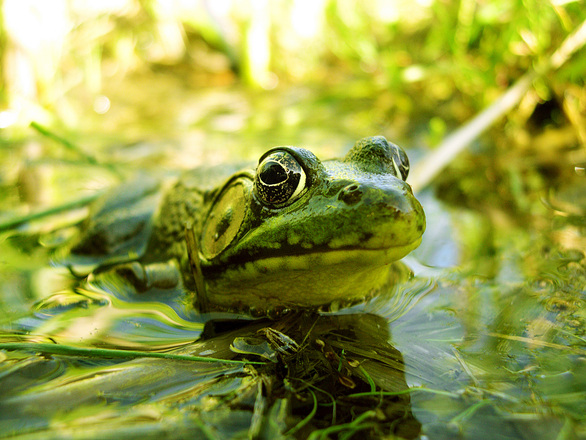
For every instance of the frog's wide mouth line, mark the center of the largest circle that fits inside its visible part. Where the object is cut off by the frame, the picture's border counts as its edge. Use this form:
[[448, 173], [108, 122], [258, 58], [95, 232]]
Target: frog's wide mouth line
[[312, 261]]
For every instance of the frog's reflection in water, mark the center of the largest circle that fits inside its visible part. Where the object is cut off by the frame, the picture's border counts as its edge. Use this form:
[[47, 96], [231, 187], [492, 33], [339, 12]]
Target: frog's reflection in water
[[335, 373], [338, 368]]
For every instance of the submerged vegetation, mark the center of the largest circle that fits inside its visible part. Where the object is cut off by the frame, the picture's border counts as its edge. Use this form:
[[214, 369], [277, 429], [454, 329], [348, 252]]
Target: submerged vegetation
[[483, 330]]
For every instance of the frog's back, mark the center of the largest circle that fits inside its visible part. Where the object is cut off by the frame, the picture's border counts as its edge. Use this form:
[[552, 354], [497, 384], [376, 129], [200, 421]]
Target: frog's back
[[143, 219], [117, 228]]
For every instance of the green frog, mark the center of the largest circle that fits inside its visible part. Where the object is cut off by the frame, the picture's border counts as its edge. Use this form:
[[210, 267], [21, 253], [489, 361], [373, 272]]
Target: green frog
[[296, 232]]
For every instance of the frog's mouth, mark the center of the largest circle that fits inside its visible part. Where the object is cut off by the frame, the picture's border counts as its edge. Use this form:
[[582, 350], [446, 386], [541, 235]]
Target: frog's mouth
[[300, 259], [311, 279]]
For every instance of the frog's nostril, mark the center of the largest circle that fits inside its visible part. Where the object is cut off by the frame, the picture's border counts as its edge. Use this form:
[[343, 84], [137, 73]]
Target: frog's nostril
[[350, 194]]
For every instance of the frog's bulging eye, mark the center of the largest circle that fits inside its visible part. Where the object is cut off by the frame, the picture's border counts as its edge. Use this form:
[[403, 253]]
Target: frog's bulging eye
[[401, 163], [280, 179]]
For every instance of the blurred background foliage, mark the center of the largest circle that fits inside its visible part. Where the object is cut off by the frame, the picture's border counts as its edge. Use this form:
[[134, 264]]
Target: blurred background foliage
[[439, 61]]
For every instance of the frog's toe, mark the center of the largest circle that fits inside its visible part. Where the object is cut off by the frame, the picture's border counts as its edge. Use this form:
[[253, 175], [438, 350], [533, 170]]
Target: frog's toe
[[134, 273], [164, 275], [145, 277]]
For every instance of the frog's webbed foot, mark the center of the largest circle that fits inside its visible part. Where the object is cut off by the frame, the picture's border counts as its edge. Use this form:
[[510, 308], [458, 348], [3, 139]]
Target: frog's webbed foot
[[144, 277]]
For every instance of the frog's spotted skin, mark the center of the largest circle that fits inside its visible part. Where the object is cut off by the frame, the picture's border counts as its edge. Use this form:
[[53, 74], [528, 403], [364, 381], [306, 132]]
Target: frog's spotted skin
[[296, 232]]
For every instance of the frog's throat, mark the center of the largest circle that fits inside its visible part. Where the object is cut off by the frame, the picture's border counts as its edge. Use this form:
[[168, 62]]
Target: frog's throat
[[306, 280]]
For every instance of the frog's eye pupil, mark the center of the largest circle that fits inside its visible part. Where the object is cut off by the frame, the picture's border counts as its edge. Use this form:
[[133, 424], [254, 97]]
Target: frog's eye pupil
[[280, 179], [273, 173]]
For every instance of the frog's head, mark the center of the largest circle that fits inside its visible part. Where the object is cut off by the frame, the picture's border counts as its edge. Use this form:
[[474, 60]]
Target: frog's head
[[299, 232]]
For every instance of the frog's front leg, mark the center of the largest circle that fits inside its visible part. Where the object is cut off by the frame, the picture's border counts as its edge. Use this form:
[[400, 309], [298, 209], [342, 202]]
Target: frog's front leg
[[143, 277]]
